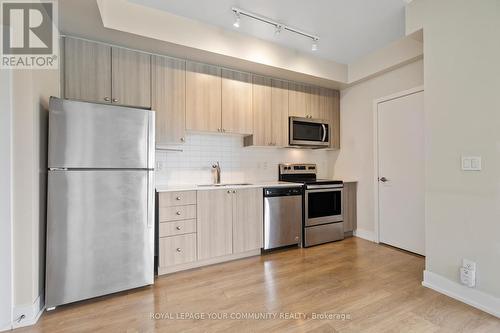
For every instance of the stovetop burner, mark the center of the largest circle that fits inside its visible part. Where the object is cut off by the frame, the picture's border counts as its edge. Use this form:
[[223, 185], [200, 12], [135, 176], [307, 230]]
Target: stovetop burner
[[303, 173]]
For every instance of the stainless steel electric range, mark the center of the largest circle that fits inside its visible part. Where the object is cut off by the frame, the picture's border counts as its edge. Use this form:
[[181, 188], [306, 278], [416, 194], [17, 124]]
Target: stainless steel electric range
[[323, 220]]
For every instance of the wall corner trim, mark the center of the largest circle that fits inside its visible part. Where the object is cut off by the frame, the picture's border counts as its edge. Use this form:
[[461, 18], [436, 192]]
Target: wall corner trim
[[31, 311], [365, 234], [470, 296]]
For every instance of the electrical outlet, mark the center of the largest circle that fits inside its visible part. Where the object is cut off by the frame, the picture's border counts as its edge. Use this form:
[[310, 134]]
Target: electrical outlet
[[467, 277], [468, 264]]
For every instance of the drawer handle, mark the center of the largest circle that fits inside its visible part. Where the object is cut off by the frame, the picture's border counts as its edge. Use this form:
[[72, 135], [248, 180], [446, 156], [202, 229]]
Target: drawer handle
[[178, 198], [178, 249], [178, 213], [178, 227]]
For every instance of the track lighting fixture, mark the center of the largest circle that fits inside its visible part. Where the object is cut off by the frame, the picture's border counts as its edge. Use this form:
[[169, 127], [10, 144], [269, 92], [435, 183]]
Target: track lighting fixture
[[277, 25]]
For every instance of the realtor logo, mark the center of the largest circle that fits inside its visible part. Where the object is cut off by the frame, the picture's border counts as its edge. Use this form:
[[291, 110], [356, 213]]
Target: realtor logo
[[29, 34]]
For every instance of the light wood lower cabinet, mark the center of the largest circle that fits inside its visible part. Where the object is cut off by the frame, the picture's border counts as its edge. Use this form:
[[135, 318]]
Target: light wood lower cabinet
[[177, 250], [175, 228], [248, 215], [215, 223], [350, 206]]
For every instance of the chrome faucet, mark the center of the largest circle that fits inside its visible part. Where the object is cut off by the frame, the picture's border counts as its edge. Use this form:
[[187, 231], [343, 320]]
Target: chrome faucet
[[216, 167]]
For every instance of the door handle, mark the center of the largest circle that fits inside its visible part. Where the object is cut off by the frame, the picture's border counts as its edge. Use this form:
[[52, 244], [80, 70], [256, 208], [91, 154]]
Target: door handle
[[383, 179]]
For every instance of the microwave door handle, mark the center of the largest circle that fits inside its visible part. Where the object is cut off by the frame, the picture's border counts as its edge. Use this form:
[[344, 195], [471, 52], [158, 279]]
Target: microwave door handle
[[324, 132]]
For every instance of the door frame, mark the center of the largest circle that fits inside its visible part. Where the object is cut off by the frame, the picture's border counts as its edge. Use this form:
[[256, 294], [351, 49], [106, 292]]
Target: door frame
[[376, 102], [6, 222]]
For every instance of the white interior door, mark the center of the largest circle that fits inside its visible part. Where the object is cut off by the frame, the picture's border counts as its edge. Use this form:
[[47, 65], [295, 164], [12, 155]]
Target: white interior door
[[401, 172]]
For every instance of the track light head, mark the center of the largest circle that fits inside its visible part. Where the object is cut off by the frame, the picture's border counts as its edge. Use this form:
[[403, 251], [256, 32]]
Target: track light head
[[278, 29], [236, 23], [314, 46]]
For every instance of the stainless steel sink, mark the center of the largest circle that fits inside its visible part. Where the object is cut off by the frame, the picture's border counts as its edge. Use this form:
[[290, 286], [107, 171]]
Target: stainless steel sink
[[223, 185]]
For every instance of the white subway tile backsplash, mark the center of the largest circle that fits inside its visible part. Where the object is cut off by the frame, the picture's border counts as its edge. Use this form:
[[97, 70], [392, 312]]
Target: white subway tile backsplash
[[193, 164]]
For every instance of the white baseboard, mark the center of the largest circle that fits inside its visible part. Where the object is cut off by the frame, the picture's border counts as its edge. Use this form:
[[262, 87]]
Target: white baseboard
[[32, 312], [6, 328], [471, 296], [365, 234]]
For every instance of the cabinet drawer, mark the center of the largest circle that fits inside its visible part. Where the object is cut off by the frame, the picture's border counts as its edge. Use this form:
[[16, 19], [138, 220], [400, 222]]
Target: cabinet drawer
[[177, 213], [177, 250], [177, 198], [177, 228]]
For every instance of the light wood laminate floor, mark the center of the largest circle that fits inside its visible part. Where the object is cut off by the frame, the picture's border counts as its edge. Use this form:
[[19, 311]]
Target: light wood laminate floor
[[377, 287]]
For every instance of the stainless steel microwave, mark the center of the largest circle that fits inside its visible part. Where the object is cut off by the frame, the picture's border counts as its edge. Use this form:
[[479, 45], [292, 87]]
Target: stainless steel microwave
[[308, 132]]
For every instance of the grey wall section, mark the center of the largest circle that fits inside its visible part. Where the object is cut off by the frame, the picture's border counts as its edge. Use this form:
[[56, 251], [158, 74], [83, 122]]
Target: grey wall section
[[355, 160], [5, 202], [462, 111], [31, 90]]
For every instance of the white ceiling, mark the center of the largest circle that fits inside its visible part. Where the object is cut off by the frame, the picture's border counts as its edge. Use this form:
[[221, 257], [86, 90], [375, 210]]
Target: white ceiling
[[348, 29]]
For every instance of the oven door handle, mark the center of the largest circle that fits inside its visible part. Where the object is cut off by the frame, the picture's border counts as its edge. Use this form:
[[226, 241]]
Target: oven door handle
[[324, 132]]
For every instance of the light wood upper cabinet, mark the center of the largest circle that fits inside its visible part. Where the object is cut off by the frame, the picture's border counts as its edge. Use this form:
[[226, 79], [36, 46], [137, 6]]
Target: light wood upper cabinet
[[131, 77], [262, 111], [237, 102], [298, 99], [87, 70], [168, 99], [330, 111], [313, 103], [214, 223], [203, 97], [247, 219], [279, 110]]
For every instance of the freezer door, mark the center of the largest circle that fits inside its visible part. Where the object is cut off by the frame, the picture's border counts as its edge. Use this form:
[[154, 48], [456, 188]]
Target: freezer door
[[89, 135], [100, 238]]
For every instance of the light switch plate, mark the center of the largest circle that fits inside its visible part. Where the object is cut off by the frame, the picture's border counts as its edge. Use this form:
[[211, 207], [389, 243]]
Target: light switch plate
[[471, 163]]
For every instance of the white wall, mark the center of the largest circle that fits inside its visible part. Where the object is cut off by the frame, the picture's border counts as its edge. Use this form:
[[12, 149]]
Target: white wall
[[31, 90], [462, 110], [356, 157], [238, 163], [5, 202]]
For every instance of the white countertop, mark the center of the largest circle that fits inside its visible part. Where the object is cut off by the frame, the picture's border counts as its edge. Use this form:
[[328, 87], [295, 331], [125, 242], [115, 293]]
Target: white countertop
[[191, 187]]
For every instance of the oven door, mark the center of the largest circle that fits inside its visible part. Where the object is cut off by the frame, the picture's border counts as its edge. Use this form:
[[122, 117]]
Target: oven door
[[309, 132], [323, 205]]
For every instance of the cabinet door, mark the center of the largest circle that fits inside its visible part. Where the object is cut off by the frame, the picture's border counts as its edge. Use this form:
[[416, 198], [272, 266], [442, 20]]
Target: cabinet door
[[247, 219], [279, 110], [350, 206], [168, 99], [298, 99], [330, 111], [203, 97], [214, 223], [131, 77], [87, 70], [313, 103], [262, 111], [237, 102]]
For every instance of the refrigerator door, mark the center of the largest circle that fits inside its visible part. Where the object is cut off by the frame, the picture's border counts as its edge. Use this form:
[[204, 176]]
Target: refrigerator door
[[88, 135], [100, 233]]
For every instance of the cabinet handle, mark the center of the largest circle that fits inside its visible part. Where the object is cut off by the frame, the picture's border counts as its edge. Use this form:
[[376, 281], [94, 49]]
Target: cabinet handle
[[182, 139], [107, 99], [178, 249], [178, 213], [115, 100], [228, 191], [234, 191], [178, 198], [178, 227]]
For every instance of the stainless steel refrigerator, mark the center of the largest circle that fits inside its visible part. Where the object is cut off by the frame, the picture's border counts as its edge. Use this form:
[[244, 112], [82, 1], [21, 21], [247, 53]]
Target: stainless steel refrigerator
[[100, 204]]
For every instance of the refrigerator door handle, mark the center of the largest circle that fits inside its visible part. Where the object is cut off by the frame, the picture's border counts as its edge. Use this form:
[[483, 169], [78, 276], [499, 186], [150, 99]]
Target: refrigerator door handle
[[151, 199]]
